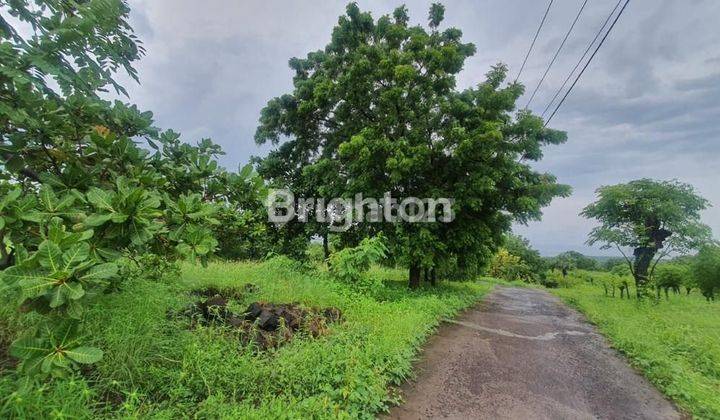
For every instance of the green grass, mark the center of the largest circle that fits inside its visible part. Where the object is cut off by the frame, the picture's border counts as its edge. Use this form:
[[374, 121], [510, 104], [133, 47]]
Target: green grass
[[155, 368], [675, 342]]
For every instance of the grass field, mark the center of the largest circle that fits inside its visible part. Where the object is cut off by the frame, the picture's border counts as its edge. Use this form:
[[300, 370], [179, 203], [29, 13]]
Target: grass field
[[675, 342], [153, 367]]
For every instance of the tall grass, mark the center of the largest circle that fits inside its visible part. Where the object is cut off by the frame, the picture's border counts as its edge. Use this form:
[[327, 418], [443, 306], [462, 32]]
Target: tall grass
[[153, 367]]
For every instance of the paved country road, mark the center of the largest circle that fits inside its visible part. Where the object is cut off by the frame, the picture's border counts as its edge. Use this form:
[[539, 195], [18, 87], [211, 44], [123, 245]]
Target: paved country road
[[523, 354]]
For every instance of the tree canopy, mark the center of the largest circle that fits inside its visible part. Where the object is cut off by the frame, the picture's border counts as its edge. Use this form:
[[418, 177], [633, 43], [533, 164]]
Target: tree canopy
[[90, 189], [377, 110], [653, 218]]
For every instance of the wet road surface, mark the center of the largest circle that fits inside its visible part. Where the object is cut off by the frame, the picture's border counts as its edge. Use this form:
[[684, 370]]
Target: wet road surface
[[523, 354]]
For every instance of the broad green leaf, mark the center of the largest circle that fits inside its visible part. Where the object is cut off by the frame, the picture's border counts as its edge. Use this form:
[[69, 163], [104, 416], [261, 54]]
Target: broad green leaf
[[48, 199], [27, 347], [57, 297], [95, 220], [100, 199], [11, 196], [75, 255], [50, 255], [74, 309], [32, 287], [100, 272], [85, 355]]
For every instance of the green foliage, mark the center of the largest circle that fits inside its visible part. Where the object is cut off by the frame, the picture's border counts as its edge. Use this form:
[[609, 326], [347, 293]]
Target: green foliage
[[654, 218], [84, 197], [377, 110], [519, 246], [507, 266], [706, 270], [670, 277], [154, 367], [675, 343], [350, 265], [573, 260]]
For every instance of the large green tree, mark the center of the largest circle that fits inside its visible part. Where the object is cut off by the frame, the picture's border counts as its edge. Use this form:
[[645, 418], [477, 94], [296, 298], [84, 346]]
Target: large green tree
[[89, 190], [653, 218], [377, 110]]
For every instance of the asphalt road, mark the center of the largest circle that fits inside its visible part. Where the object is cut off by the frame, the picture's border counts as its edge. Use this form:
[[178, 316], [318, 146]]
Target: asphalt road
[[523, 354]]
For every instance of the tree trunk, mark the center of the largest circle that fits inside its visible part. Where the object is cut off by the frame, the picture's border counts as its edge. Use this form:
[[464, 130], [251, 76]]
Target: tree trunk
[[414, 277], [326, 246], [643, 259], [433, 278]]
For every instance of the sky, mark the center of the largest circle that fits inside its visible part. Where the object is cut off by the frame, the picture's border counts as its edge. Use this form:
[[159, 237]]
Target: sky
[[647, 106]]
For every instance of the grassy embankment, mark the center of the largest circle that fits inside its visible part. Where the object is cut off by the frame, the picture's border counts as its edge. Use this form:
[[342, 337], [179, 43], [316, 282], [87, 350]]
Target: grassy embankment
[[155, 366], [675, 342]]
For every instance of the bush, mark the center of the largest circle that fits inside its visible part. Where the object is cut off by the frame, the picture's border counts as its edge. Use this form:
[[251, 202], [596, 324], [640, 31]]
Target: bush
[[350, 265]]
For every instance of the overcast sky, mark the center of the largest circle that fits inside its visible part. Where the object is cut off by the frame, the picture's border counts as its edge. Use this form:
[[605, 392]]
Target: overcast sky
[[648, 105]]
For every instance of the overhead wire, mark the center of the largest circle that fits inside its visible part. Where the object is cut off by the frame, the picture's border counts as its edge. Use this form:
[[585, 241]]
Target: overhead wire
[[587, 50], [532, 44], [557, 53], [602, 41]]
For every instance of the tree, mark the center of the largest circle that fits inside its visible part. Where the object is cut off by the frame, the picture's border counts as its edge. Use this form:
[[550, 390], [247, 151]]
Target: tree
[[377, 110], [520, 247], [654, 218], [505, 265], [88, 188], [670, 276], [706, 270], [574, 259]]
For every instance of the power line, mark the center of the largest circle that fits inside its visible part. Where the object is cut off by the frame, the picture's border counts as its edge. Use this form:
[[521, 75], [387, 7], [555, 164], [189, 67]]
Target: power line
[[587, 50], [602, 41], [562, 44], [532, 44]]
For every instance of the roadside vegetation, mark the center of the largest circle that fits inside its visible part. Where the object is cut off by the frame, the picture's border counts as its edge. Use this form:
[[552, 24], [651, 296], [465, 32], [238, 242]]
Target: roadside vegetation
[[675, 342], [138, 277], [157, 364]]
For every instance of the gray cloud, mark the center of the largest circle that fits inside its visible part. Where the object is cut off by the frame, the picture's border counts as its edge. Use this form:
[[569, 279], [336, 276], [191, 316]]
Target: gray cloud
[[646, 107]]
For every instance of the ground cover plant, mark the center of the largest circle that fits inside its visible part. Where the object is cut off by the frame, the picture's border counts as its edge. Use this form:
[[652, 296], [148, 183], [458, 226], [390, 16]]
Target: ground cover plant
[[675, 342], [155, 366]]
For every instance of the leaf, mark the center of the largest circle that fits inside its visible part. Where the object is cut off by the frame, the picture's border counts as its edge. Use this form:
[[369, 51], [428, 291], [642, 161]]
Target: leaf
[[100, 272], [57, 297], [27, 347], [74, 309], [48, 198], [100, 199], [95, 220], [50, 255], [35, 286], [85, 355], [75, 255]]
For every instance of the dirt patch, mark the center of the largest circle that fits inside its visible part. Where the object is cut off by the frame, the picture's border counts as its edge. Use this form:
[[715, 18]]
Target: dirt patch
[[263, 324]]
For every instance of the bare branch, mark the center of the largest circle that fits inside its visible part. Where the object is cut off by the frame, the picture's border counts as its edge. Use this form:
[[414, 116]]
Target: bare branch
[[632, 271]]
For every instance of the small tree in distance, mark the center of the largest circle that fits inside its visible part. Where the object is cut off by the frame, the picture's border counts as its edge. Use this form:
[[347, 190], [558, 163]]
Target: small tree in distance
[[653, 218]]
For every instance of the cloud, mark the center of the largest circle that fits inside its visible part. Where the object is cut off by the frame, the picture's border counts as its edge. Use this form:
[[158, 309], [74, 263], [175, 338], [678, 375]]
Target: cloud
[[646, 107]]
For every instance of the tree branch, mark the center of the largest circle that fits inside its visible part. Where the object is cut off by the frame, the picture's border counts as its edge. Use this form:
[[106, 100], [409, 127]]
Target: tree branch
[[632, 271]]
